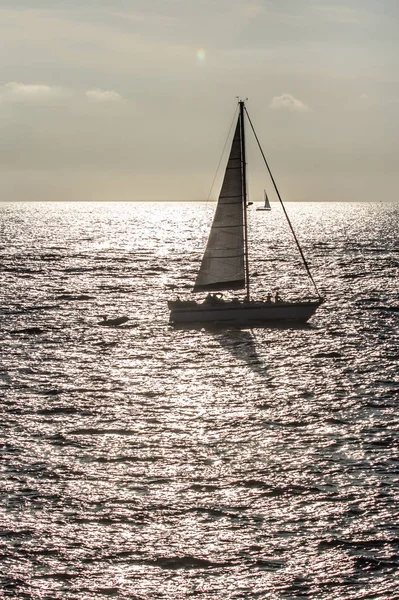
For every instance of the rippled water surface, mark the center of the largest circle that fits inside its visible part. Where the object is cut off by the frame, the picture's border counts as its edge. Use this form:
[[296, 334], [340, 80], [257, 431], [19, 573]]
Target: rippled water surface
[[144, 462]]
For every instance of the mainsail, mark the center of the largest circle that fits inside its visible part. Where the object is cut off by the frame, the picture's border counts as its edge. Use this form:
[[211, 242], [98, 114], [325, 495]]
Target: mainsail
[[267, 203], [222, 266]]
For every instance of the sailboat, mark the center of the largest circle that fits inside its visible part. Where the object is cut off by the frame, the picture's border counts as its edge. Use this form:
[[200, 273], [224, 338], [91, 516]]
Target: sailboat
[[267, 203], [224, 265]]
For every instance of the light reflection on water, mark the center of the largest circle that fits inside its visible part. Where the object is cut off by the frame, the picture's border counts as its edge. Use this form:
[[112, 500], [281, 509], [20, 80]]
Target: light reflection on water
[[148, 462]]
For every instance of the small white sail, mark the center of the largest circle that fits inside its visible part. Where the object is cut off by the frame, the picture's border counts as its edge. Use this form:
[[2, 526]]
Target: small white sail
[[222, 266]]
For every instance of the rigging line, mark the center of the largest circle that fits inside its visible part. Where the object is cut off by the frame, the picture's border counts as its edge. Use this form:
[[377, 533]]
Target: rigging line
[[283, 207], [224, 148]]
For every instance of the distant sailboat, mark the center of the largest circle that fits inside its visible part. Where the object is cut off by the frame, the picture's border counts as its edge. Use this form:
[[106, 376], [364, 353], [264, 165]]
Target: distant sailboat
[[267, 203], [224, 264]]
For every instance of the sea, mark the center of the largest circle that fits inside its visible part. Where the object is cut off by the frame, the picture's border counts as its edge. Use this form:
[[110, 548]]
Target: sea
[[147, 462]]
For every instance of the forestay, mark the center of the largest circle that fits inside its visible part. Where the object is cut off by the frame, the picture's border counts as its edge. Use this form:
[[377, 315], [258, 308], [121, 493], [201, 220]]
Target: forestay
[[222, 266]]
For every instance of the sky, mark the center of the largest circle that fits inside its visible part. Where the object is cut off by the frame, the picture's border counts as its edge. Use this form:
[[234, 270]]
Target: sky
[[133, 99]]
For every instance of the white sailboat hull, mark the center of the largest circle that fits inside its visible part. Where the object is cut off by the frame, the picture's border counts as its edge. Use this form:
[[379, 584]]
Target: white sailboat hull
[[242, 313]]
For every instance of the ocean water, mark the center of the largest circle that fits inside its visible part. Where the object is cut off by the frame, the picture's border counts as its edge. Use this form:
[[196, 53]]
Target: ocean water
[[145, 462]]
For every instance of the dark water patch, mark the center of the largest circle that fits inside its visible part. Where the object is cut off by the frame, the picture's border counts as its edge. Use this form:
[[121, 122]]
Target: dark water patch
[[370, 563], [50, 392], [252, 483], [273, 490], [131, 501], [58, 439], [328, 355], [393, 309], [358, 275], [106, 591], [18, 533], [337, 333], [102, 257], [71, 297], [384, 383], [184, 562], [99, 431], [127, 459], [158, 481], [116, 289], [106, 521], [44, 552], [269, 564], [238, 514], [213, 513], [393, 356], [22, 271], [50, 257], [11, 584], [62, 576], [8, 448], [105, 345], [38, 307], [28, 331], [255, 548], [40, 470], [29, 371], [58, 410], [88, 394], [371, 300], [200, 487], [358, 545], [81, 270], [383, 442], [336, 421]]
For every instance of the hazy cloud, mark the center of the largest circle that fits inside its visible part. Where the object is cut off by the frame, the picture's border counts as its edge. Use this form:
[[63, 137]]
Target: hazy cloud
[[288, 102], [103, 96], [16, 91]]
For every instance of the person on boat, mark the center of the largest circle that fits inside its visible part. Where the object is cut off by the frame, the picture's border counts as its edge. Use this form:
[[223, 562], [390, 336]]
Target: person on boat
[[210, 299], [277, 297], [214, 299], [269, 297]]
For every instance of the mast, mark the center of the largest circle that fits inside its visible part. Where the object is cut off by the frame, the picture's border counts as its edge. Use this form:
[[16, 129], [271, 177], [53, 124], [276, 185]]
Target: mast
[[244, 194]]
